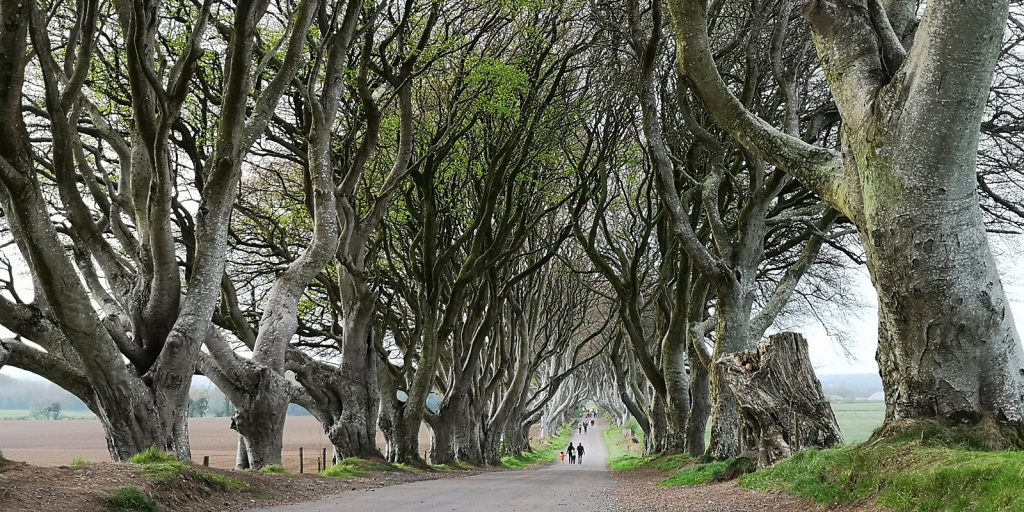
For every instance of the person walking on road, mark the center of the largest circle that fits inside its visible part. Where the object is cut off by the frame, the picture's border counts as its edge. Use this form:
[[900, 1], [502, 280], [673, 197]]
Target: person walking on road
[[571, 450], [579, 453], [584, 427]]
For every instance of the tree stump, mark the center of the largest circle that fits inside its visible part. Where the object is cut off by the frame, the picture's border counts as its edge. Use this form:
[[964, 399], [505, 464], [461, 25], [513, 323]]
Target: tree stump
[[781, 403]]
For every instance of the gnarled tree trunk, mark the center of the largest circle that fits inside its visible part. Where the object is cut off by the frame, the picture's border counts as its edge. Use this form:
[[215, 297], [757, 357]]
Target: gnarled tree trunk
[[780, 399]]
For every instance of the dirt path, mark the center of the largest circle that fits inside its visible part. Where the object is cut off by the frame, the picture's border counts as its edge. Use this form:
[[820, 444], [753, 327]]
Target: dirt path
[[562, 487]]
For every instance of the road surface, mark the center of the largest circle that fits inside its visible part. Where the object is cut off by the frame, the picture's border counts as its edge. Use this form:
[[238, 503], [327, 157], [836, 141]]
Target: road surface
[[561, 487]]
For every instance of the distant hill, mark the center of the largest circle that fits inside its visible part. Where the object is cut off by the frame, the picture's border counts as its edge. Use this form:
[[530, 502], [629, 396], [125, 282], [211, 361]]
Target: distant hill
[[854, 386], [26, 394], [21, 394]]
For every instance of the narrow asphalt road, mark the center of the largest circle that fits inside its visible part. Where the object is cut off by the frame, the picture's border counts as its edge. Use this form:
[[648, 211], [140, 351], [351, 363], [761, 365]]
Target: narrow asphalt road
[[561, 487]]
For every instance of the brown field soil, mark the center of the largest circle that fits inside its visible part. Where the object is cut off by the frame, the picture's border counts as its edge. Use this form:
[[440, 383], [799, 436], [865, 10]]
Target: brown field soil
[[58, 443]]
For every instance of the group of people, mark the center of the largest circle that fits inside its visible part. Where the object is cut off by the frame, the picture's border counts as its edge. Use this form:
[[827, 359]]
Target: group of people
[[575, 453], [587, 419]]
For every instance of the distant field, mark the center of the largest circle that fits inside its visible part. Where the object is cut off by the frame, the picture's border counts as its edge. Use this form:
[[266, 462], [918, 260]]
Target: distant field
[[51, 443], [24, 414], [858, 419], [56, 443]]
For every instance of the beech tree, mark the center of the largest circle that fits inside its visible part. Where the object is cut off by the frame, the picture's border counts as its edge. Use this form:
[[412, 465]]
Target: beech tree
[[118, 294], [911, 93]]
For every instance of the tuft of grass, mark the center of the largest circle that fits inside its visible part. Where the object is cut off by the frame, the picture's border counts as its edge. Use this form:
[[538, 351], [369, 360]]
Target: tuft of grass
[[163, 467], [80, 462], [221, 481], [714, 471], [619, 457], [273, 469], [368, 465], [355, 466], [410, 468], [153, 455], [548, 452], [130, 498], [342, 470], [907, 470]]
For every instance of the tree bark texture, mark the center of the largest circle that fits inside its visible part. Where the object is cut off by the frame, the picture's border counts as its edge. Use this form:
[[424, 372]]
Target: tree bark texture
[[779, 398]]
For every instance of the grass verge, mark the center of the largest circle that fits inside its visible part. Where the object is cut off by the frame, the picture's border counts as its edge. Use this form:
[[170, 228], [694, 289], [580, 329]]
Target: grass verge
[[547, 452], [925, 469], [620, 459], [130, 498], [163, 467], [714, 471], [354, 466]]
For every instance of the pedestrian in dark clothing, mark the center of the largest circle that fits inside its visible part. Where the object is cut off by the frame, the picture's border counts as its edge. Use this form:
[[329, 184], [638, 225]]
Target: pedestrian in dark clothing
[[571, 450], [579, 453]]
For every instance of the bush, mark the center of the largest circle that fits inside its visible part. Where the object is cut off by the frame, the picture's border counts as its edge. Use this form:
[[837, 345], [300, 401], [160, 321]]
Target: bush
[[131, 498], [80, 462]]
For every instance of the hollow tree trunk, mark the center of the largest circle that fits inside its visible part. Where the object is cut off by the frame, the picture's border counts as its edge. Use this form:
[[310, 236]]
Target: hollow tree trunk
[[780, 398]]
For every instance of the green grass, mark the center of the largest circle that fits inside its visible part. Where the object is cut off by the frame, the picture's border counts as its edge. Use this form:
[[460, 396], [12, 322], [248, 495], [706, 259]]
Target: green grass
[[916, 472], [857, 420], [163, 467], [624, 455], [354, 467], [130, 498], [80, 462], [547, 452], [273, 469], [714, 471]]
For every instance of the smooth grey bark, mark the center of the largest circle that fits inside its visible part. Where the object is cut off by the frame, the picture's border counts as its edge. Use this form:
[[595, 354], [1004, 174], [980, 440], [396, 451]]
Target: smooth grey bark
[[948, 347], [700, 398], [258, 387]]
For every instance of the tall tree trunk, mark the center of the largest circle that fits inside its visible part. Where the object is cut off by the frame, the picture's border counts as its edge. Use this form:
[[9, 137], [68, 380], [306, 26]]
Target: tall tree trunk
[[655, 442], [700, 406], [733, 310], [355, 431], [677, 386]]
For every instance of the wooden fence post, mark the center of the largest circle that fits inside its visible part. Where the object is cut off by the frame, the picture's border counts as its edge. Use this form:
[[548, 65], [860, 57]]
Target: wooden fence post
[[324, 458], [206, 460], [301, 468]]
